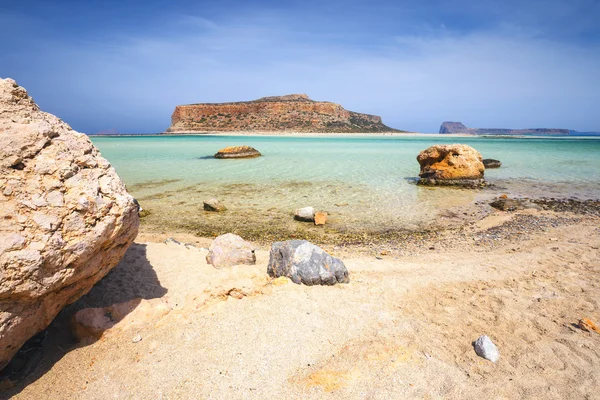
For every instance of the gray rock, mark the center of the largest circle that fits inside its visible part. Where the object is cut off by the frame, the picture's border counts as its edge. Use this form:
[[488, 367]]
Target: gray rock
[[305, 214], [491, 163], [513, 204], [230, 249], [486, 349], [214, 205], [303, 262]]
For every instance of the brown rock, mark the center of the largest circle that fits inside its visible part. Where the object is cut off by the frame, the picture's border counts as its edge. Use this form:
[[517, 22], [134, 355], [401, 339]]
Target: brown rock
[[214, 205], [94, 322], [587, 325], [238, 152], [65, 217], [454, 164], [228, 250], [320, 218]]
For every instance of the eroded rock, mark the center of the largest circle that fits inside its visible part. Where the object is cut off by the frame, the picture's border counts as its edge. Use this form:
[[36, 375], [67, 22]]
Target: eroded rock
[[65, 217], [230, 249], [303, 262], [238, 152], [451, 165]]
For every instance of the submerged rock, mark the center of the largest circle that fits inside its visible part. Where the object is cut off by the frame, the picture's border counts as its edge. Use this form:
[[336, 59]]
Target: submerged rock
[[451, 165], [238, 152], [306, 214], [491, 163], [303, 262], [229, 250], [66, 218], [484, 347], [214, 205]]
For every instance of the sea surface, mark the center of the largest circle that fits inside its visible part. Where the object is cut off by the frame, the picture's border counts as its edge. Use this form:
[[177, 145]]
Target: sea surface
[[366, 184]]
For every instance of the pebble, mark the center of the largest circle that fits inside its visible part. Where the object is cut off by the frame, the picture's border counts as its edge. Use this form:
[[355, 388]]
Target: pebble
[[484, 347], [137, 338]]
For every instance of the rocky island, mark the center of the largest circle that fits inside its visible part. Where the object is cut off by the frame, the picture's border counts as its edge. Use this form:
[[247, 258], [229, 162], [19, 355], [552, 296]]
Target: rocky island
[[291, 113], [459, 127]]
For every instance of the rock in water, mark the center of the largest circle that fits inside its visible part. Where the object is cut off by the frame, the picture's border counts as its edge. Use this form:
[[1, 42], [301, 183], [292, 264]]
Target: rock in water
[[491, 163], [305, 214], [452, 165], [506, 204], [65, 217], [486, 349], [238, 152], [214, 205], [320, 218], [229, 250], [303, 262]]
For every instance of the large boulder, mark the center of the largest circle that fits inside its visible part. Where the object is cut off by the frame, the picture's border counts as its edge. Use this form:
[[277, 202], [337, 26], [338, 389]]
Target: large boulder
[[238, 152], [65, 217], [228, 250], [453, 165], [303, 262]]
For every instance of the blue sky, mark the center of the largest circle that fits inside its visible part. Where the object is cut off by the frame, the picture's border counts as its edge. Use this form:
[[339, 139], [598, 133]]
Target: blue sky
[[124, 65]]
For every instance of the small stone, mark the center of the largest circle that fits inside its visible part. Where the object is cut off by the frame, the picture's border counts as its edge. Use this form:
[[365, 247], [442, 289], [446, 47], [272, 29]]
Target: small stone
[[484, 347], [587, 325], [306, 214], [137, 338], [320, 218], [229, 250], [214, 205]]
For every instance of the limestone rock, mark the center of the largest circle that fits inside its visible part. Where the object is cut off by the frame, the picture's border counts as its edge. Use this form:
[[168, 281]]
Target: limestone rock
[[214, 205], [491, 163], [484, 347], [320, 218], [230, 249], [238, 152], [303, 262], [305, 214], [455, 164], [94, 322], [65, 217]]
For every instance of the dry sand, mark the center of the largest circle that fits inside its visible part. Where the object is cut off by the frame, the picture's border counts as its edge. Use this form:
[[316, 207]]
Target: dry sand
[[402, 328]]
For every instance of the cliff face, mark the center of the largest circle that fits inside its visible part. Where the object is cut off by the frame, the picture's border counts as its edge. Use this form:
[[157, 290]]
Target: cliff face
[[294, 112], [458, 127]]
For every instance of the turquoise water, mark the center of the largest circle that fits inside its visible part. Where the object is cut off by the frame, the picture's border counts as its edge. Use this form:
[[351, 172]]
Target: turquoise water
[[360, 181]]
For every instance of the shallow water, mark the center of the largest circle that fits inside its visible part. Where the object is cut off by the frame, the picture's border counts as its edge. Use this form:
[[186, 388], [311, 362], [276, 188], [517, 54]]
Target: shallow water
[[364, 183]]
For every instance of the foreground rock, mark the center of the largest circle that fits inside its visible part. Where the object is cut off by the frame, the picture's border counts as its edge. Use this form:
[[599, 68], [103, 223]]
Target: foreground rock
[[451, 165], [491, 163], [65, 217], [214, 205], [238, 152], [306, 214], [229, 250], [303, 262], [484, 347], [94, 322]]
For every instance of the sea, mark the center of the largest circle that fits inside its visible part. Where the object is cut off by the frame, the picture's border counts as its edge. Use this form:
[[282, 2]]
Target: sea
[[366, 184]]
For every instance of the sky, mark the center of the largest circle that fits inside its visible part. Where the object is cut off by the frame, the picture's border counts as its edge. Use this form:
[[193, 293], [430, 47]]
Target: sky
[[125, 65]]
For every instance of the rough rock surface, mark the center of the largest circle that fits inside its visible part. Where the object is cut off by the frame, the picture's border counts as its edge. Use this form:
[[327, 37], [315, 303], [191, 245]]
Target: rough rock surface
[[491, 163], [303, 262], [238, 152], [459, 127], [295, 112], [93, 322], [453, 164], [228, 250], [214, 205], [306, 214], [484, 347], [65, 217]]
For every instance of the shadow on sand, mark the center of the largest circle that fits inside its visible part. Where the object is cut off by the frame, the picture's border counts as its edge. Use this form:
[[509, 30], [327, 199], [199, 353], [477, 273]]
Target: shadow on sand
[[132, 278]]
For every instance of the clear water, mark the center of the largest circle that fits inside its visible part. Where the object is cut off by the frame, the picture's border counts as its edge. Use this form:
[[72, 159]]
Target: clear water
[[362, 182]]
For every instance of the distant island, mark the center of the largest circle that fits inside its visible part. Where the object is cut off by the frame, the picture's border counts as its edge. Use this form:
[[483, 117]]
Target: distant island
[[459, 127], [293, 113]]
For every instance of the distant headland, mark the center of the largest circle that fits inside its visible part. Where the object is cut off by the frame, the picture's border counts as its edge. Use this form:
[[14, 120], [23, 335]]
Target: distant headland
[[289, 113], [459, 127]]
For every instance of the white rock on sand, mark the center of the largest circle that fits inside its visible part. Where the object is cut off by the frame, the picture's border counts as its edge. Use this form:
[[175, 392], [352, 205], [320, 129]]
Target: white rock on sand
[[484, 347], [65, 217]]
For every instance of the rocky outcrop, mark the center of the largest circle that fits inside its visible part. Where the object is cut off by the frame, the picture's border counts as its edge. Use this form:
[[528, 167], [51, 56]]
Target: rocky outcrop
[[454, 164], [238, 152], [303, 262], [229, 250], [65, 217], [459, 127], [294, 112]]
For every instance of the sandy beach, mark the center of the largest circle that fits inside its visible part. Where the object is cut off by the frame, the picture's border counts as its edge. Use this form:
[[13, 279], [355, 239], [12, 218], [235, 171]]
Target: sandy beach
[[402, 328]]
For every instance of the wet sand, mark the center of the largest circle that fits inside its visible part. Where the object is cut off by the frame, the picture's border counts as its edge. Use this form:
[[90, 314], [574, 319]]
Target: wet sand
[[402, 328]]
